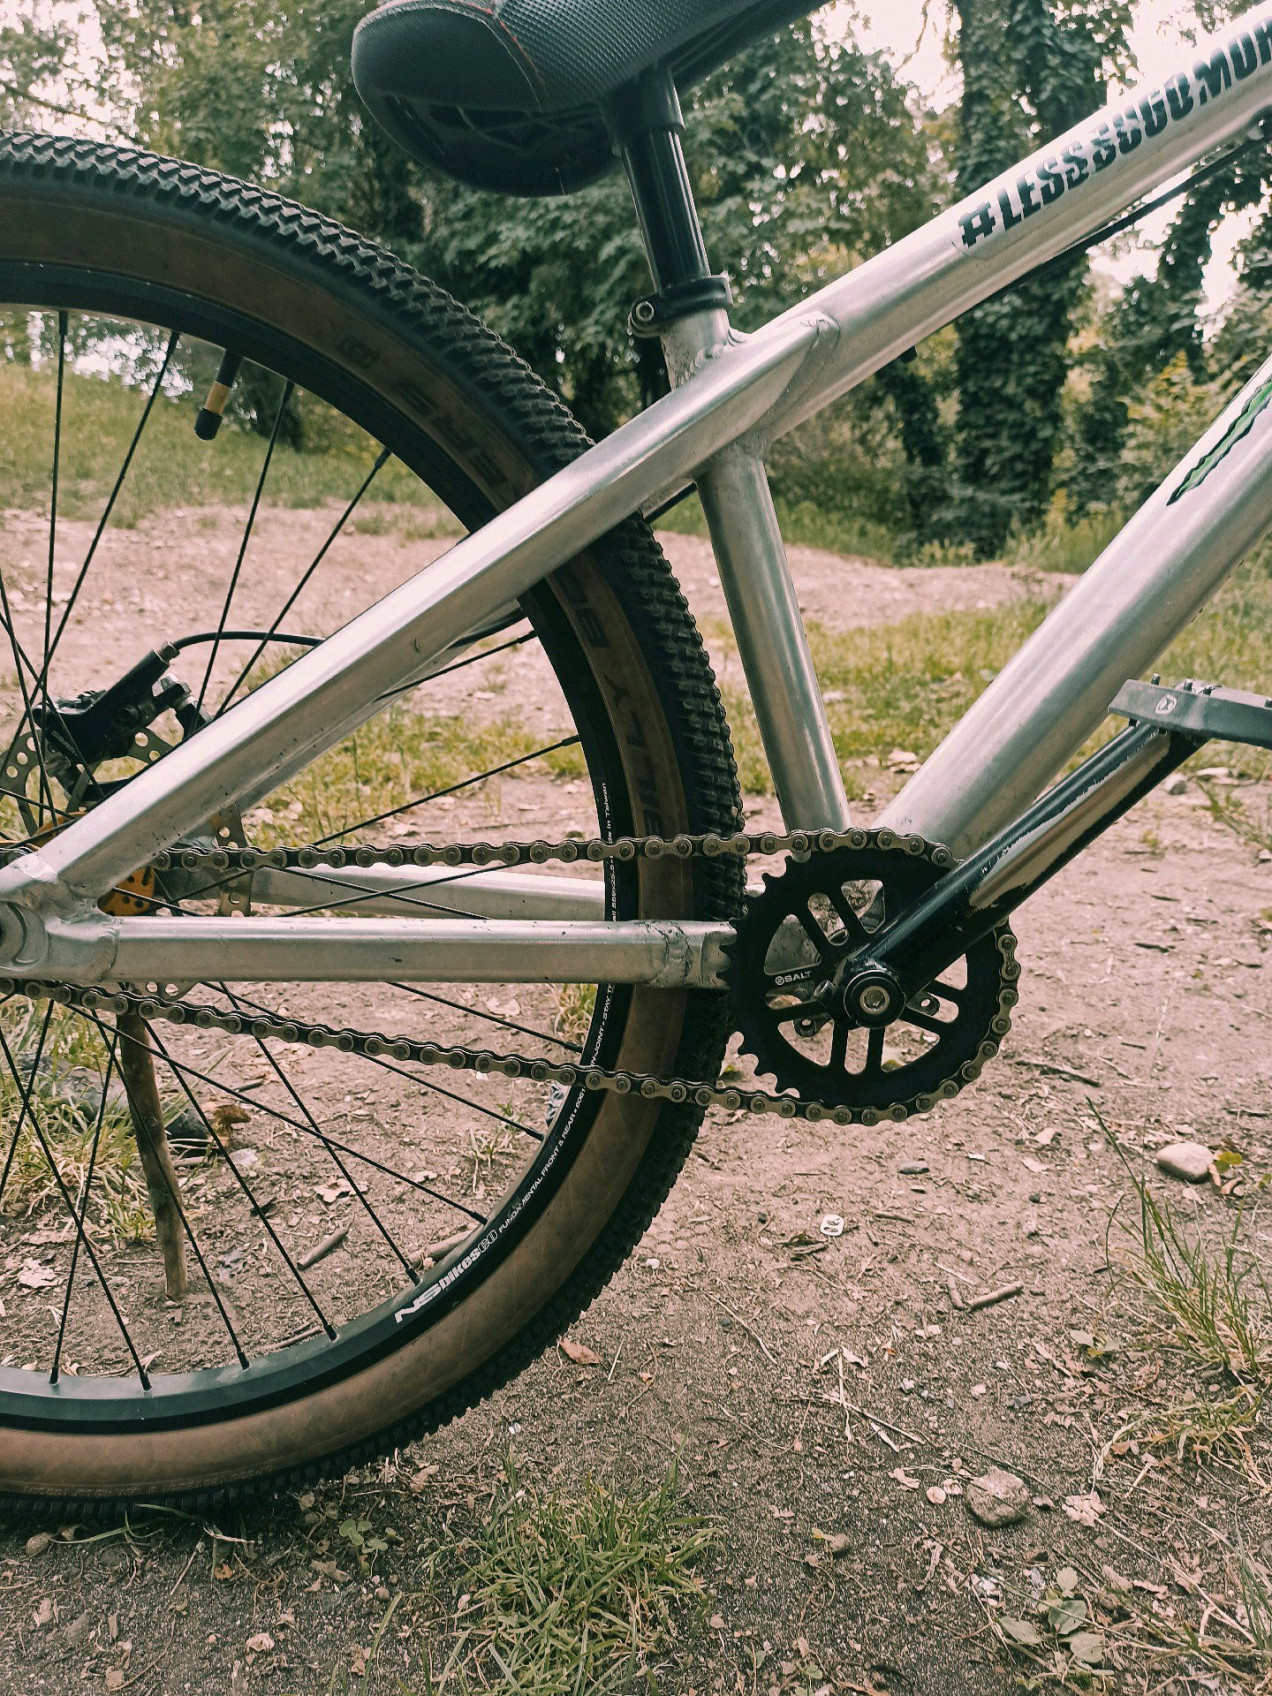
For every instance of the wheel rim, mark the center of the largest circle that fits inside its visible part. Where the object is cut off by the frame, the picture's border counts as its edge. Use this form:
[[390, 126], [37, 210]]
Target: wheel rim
[[60, 1395]]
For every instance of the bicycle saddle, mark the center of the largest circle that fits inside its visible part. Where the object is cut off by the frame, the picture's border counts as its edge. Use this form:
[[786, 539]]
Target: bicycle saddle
[[510, 94]]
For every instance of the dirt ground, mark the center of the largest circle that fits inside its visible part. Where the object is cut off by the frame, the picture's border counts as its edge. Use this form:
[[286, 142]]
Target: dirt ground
[[829, 1396]]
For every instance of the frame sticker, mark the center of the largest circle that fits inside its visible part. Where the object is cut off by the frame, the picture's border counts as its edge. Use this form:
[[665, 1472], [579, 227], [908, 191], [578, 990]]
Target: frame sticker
[[1112, 135]]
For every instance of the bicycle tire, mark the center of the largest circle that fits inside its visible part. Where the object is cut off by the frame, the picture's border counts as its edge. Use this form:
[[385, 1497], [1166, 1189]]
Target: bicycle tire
[[111, 223]]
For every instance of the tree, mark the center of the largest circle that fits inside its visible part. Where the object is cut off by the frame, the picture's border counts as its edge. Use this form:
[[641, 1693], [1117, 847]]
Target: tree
[[1031, 69], [804, 153]]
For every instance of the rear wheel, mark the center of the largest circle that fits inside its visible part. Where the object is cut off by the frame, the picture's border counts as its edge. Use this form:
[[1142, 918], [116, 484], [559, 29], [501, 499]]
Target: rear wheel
[[366, 1250]]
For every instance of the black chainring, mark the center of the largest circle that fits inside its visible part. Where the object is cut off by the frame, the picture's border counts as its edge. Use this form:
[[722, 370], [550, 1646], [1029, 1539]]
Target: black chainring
[[796, 933]]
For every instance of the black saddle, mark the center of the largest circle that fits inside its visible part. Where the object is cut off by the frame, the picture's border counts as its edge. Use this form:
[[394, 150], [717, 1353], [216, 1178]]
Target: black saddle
[[511, 94]]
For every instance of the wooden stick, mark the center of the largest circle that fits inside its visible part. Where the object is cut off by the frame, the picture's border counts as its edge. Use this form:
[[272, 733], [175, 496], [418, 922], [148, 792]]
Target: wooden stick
[[321, 1250], [992, 1297], [137, 1068]]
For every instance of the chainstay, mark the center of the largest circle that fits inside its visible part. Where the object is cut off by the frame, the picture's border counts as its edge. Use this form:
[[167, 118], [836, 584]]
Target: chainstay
[[369, 1045]]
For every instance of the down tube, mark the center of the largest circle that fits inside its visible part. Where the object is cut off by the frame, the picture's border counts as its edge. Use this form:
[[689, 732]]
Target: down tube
[[1111, 626]]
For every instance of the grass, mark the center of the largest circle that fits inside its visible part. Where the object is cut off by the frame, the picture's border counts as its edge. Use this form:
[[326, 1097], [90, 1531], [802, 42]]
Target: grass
[[906, 685], [1208, 1303], [889, 686], [72, 1055], [172, 467], [1211, 1302], [559, 1596], [393, 759]]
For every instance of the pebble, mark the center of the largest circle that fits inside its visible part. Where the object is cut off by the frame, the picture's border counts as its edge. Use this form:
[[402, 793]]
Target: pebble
[[1175, 785], [913, 1168], [39, 1543], [997, 1498], [243, 1159], [1190, 1161]]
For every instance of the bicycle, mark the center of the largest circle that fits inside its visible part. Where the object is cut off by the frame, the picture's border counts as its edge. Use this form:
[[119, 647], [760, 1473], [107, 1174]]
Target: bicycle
[[162, 938]]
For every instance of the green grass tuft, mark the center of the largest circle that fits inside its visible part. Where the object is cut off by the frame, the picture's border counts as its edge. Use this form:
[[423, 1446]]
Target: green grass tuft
[[560, 1596]]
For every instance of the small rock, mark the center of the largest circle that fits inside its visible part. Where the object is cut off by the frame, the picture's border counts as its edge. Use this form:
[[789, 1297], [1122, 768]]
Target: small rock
[[77, 1631], [997, 1498], [1175, 785], [837, 1544], [244, 1159], [913, 1168], [1190, 1161], [39, 1543]]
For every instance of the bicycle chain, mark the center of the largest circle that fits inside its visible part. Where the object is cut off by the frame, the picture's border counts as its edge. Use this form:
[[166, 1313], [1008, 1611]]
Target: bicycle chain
[[180, 1011]]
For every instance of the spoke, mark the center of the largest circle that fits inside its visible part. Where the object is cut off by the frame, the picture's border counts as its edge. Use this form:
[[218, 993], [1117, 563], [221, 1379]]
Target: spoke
[[27, 1091], [82, 1214], [57, 465], [402, 893], [288, 389], [151, 398], [847, 912], [491, 1018], [81, 1235], [874, 1051], [189, 1231], [458, 665], [303, 581], [183, 1066], [422, 1083], [247, 1190], [268, 1055], [438, 794], [949, 992]]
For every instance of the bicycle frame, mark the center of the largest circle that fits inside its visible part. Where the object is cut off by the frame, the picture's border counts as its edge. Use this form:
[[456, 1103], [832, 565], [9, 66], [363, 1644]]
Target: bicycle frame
[[733, 397]]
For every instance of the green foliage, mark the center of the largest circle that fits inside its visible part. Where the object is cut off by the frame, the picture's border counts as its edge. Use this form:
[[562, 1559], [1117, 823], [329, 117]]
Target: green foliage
[[172, 467], [804, 153]]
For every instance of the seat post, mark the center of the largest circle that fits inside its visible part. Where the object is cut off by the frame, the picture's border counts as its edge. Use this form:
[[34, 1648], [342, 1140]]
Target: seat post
[[646, 123]]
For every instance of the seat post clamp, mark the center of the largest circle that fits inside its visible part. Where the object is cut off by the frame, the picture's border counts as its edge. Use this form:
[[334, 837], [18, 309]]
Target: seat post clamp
[[652, 313]]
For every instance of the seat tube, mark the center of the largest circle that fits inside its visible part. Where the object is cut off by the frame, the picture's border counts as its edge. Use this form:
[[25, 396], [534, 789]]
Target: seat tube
[[772, 641], [687, 310]]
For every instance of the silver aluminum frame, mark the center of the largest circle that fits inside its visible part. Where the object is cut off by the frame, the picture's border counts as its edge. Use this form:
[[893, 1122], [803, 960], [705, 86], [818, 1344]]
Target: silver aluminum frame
[[734, 395]]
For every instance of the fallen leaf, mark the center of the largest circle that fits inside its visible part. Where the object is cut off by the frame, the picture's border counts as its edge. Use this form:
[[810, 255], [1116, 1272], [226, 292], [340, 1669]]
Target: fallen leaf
[[1087, 1647], [579, 1353], [44, 1612], [1020, 1631], [903, 1478], [260, 1644], [33, 1276], [114, 1678], [1086, 1510]]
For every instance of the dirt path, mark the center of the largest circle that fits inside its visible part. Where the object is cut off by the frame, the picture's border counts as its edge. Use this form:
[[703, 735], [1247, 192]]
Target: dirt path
[[1146, 999]]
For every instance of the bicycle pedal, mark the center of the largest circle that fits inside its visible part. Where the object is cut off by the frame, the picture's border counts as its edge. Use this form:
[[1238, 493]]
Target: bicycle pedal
[[1201, 712]]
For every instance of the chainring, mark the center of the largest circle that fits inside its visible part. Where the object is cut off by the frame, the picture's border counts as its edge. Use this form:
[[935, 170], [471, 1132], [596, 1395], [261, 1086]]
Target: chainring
[[795, 934]]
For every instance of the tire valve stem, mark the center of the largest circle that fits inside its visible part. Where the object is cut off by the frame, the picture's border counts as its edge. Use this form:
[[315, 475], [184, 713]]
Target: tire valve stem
[[211, 412]]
